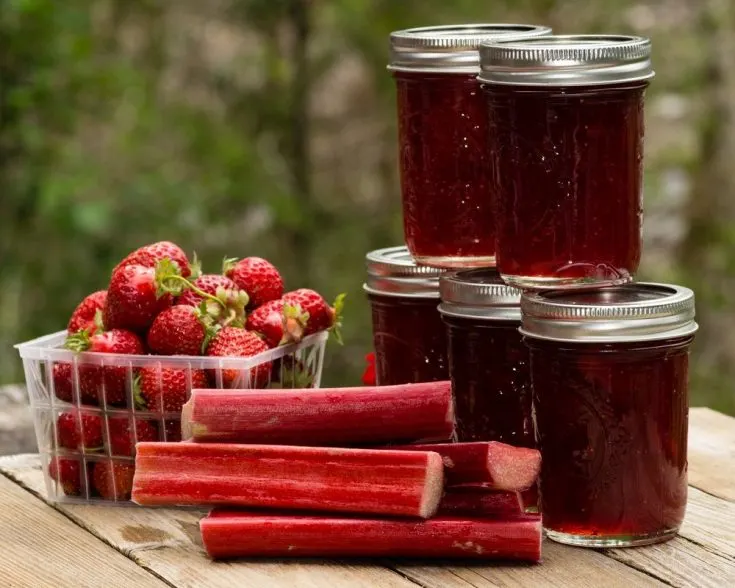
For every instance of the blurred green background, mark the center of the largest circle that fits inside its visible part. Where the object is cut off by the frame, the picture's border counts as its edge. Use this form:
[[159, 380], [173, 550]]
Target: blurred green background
[[267, 127]]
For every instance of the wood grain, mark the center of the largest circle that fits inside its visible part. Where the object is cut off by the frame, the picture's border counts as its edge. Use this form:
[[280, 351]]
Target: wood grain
[[166, 542], [41, 547], [712, 452], [710, 522], [563, 566]]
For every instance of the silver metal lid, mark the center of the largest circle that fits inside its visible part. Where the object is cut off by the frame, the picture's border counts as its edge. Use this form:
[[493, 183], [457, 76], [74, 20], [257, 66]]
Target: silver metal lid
[[451, 48], [480, 294], [566, 60], [616, 314], [393, 272]]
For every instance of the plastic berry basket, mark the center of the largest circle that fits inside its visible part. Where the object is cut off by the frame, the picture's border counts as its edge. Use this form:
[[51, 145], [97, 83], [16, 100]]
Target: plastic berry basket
[[291, 366]]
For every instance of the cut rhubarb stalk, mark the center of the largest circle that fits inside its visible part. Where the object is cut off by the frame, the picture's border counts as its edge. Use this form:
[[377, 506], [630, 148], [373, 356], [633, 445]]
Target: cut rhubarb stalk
[[481, 503], [404, 483], [482, 464], [228, 534], [324, 417]]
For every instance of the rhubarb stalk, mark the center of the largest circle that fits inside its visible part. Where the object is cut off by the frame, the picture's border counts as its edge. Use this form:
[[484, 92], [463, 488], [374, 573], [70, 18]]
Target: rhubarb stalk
[[481, 503], [487, 464], [324, 417], [404, 483], [228, 534]]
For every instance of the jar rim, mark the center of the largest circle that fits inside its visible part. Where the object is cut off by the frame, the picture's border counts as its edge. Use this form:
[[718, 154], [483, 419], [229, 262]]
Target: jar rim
[[639, 311], [392, 271], [566, 60], [479, 293], [451, 48]]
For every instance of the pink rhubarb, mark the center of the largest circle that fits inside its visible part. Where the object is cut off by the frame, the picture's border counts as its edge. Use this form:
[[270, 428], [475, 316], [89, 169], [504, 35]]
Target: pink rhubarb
[[376, 481], [321, 417], [487, 464], [481, 503], [228, 534]]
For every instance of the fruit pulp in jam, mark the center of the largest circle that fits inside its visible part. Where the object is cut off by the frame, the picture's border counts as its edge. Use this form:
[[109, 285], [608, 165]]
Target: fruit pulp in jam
[[442, 130], [409, 340], [491, 381], [566, 174], [612, 428]]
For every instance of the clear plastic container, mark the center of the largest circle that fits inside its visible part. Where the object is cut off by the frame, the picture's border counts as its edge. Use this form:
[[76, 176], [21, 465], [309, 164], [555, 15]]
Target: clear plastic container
[[52, 371]]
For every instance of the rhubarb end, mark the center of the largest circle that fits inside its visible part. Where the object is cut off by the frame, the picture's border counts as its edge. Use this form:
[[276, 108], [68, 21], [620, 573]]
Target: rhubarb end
[[433, 486], [186, 416]]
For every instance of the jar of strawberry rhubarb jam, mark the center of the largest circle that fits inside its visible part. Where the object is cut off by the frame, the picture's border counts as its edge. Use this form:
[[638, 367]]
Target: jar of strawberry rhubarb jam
[[442, 131], [408, 334], [488, 363], [565, 148], [609, 369]]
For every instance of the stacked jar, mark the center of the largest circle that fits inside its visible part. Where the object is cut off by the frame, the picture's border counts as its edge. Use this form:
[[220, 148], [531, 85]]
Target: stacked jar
[[608, 356]]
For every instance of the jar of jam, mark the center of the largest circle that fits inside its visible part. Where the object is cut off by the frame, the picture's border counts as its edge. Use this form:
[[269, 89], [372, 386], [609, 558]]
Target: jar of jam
[[442, 131], [565, 148], [488, 362], [408, 334], [609, 369]]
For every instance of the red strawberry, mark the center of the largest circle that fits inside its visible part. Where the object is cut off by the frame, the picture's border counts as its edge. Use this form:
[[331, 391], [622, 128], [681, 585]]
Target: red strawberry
[[258, 277], [63, 382], [83, 316], [68, 473], [166, 389], [113, 479], [235, 342], [277, 323], [208, 283], [79, 430], [134, 298], [93, 379], [123, 437], [150, 255], [368, 376], [178, 330], [321, 316]]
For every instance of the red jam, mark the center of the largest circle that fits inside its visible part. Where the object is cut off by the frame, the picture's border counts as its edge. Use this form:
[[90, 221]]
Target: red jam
[[408, 333], [445, 172], [609, 370], [409, 340], [490, 372], [568, 172], [612, 422]]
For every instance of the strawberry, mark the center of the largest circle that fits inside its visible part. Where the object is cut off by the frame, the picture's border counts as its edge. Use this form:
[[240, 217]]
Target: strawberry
[[368, 376], [123, 437], [235, 342], [135, 297], [277, 323], [320, 316], [166, 389], [150, 255], [84, 314], [68, 473], [218, 299], [113, 479], [63, 387], [79, 430], [257, 276], [178, 330], [94, 379], [208, 283]]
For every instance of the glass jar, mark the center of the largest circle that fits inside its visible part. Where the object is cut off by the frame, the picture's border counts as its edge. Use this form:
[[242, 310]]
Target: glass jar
[[609, 369], [442, 133], [408, 334], [566, 151], [488, 362]]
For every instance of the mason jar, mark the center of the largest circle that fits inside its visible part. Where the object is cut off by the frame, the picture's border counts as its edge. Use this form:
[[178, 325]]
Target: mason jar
[[609, 370], [565, 149], [408, 333], [442, 133]]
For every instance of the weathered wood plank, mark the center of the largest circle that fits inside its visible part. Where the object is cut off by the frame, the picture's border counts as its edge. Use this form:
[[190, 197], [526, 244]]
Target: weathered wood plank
[[41, 547], [710, 522], [563, 566], [712, 452], [166, 542]]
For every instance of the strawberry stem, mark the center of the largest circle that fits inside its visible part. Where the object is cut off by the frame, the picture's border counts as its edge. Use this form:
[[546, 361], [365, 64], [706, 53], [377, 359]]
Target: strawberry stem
[[337, 312]]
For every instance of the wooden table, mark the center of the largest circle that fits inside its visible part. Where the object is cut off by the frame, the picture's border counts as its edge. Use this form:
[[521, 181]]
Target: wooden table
[[44, 545]]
